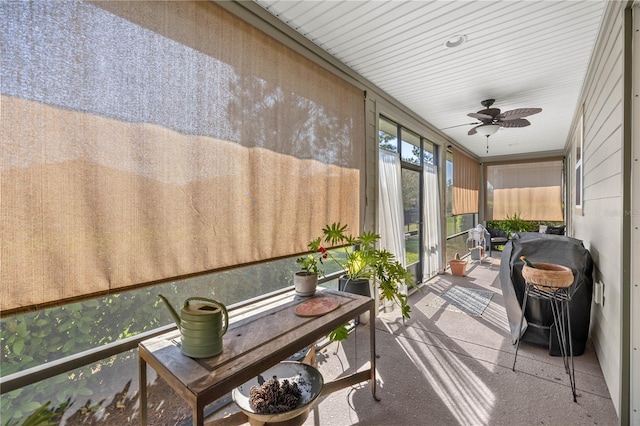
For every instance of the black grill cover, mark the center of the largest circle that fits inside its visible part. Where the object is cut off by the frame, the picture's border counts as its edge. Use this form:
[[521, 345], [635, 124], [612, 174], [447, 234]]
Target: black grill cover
[[537, 326]]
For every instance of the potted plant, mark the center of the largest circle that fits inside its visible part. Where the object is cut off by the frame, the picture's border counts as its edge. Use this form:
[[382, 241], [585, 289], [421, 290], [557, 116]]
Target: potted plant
[[364, 263], [305, 281], [458, 266]]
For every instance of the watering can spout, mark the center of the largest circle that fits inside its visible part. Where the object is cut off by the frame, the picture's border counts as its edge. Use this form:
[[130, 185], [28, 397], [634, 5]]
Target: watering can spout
[[172, 311]]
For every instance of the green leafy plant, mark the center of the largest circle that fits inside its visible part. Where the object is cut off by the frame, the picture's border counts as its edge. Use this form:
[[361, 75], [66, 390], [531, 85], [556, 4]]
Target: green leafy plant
[[43, 416], [360, 259], [340, 333], [515, 224], [310, 263]]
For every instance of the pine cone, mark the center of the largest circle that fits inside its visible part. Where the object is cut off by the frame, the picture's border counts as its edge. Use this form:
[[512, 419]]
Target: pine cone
[[273, 397]]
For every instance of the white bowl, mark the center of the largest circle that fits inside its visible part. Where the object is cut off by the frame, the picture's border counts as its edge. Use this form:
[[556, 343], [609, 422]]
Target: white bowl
[[309, 381]]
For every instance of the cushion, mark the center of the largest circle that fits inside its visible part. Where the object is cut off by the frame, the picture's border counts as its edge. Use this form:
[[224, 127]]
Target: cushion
[[496, 233], [555, 230]]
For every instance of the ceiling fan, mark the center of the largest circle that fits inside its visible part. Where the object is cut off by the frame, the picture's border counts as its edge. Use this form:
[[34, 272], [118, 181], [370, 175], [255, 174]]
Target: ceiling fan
[[491, 119]]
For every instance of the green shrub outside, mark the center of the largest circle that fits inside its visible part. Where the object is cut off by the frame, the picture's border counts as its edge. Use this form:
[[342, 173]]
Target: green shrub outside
[[516, 224]]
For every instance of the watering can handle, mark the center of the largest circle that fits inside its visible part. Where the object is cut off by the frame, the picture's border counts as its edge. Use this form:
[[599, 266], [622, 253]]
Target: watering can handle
[[225, 314]]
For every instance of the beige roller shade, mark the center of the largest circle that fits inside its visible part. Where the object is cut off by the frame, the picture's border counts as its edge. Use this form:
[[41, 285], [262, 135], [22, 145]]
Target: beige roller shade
[[533, 190], [466, 184], [143, 141]]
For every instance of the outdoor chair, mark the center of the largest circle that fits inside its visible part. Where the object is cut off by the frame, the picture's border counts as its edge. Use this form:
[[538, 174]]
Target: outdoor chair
[[497, 238]]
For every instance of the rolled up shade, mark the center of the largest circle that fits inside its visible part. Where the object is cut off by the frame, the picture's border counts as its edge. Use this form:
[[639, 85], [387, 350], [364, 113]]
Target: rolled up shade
[[145, 141], [466, 184], [533, 190]]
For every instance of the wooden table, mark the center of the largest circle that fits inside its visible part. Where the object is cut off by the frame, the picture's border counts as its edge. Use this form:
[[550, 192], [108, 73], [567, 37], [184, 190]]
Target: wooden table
[[253, 343]]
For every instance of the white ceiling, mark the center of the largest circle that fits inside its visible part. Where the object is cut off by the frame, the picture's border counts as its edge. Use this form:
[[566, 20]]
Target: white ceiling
[[524, 54]]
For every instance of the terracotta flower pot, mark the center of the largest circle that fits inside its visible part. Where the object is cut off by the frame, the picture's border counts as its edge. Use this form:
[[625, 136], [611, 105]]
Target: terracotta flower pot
[[548, 275], [458, 267]]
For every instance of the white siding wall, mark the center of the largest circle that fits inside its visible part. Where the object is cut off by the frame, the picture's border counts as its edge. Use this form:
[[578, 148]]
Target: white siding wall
[[600, 224]]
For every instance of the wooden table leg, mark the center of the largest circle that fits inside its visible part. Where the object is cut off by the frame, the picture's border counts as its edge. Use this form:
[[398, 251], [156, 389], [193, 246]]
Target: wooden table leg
[[198, 414], [142, 386]]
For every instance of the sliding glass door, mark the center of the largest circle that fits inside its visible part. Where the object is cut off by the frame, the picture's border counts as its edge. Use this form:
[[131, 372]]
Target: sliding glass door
[[420, 208]]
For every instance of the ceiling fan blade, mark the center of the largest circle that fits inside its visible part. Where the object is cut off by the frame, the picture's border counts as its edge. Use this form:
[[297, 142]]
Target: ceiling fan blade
[[519, 122], [473, 131], [491, 112], [515, 114], [479, 116]]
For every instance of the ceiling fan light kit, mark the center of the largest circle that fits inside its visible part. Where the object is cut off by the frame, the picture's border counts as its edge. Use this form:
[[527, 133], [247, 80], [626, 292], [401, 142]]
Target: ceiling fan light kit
[[487, 129]]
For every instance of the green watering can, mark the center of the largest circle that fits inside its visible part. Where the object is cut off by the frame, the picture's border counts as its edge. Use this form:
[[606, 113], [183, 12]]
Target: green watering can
[[201, 326]]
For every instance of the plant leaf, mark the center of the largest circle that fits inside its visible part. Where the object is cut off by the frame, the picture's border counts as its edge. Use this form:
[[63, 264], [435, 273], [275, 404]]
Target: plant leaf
[[340, 333], [18, 346]]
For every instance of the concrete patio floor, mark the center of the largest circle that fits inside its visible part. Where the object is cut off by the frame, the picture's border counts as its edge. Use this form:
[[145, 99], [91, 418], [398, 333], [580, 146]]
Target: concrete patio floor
[[445, 366]]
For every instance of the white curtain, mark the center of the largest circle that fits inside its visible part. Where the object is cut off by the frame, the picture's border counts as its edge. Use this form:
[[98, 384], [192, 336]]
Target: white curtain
[[431, 220], [391, 218]]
